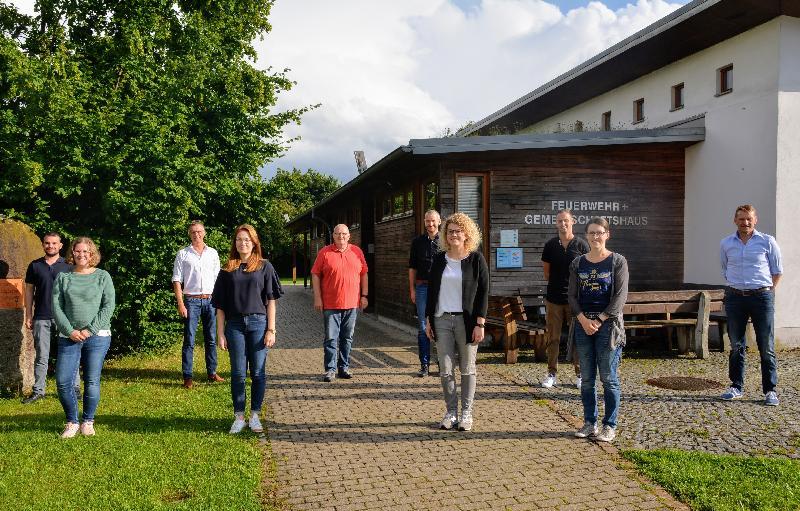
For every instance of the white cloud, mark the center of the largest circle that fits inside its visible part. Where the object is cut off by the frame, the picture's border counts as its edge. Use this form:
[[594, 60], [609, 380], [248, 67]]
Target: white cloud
[[386, 71]]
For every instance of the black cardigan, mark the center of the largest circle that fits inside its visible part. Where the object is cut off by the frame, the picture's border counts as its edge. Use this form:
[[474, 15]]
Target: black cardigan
[[474, 289]]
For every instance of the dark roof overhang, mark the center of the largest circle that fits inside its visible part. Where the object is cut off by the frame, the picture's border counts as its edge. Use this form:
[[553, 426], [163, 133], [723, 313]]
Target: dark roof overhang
[[422, 148]]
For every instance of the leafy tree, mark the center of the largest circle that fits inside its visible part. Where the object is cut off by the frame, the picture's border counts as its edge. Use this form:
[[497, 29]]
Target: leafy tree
[[124, 120], [292, 192]]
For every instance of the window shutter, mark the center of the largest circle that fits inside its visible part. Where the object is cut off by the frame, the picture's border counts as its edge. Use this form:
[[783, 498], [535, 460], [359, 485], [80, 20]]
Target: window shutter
[[470, 197]]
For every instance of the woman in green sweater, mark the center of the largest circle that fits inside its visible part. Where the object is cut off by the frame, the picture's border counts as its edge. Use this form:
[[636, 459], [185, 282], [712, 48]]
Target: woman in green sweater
[[83, 302]]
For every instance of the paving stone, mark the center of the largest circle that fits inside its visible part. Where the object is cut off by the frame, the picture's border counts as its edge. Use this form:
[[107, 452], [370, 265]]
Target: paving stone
[[651, 417], [372, 442]]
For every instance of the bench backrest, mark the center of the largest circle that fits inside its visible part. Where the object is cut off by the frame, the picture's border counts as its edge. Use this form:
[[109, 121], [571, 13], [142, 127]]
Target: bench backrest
[[666, 302], [507, 307]]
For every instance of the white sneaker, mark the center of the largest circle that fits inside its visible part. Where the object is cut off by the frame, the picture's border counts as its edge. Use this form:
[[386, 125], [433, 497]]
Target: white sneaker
[[587, 430], [465, 424], [549, 381], [87, 428], [238, 425], [70, 430], [450, 419], [606, 434], [255, 423], [578, 382]]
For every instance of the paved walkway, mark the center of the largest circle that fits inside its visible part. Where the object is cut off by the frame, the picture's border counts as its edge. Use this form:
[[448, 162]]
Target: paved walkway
[[372, 442], [653, 418]]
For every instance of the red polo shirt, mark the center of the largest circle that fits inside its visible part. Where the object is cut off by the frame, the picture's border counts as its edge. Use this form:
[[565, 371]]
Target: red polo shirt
[[340, 274]]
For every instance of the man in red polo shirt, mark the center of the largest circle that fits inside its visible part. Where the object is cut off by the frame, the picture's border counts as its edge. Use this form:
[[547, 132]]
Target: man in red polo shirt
[[339, 277]]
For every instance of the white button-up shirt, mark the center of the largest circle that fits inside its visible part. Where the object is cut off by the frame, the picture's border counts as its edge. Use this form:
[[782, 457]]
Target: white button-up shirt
[[197, 272]]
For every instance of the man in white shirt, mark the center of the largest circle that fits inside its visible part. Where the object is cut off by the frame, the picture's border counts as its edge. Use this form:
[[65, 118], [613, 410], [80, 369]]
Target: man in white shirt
[[193, 276]]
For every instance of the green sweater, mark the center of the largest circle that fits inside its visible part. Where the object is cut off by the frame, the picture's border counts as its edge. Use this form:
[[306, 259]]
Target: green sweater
[[83, 301]]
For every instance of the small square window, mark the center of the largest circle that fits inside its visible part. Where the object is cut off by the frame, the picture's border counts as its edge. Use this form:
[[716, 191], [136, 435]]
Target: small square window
[[578, 126], [677, 96], [638, 110], [605, 121], [725, 80]]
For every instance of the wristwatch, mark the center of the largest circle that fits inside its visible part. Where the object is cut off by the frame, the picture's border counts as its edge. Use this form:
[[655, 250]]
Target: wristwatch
[[271, 330], [363, 296]]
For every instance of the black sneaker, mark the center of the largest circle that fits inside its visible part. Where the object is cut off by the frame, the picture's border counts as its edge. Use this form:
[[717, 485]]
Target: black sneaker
[[32, 398], [345, 374], [423, 372]]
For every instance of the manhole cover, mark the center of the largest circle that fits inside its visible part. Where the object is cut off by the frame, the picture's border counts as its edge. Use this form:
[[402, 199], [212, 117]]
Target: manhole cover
[[683, 383]]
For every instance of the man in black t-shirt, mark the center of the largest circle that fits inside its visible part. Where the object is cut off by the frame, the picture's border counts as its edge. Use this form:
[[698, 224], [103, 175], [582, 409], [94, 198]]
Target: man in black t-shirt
[[39, 280], [423, 248], [557, 254]]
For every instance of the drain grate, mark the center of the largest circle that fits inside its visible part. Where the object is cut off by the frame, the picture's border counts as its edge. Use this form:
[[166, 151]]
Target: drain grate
[[684, 383]]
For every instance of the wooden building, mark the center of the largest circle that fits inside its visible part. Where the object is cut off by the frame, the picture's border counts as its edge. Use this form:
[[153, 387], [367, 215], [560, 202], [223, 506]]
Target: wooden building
[[665, 133], [512, 186]]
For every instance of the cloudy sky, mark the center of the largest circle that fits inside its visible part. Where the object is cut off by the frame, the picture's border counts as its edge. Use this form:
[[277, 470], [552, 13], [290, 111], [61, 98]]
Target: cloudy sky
[[386, 71]]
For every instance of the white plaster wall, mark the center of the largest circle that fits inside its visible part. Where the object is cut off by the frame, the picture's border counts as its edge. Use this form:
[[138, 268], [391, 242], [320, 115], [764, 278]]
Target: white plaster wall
[[788, 183], [734, 165], [754, 57]]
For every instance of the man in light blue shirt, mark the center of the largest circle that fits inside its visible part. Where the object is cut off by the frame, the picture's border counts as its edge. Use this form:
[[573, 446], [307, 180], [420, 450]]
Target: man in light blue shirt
[[751, 265]]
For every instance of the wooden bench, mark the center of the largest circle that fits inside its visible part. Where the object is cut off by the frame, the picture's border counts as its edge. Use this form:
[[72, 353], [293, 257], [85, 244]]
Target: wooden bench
[[508, 323], [685, 312]]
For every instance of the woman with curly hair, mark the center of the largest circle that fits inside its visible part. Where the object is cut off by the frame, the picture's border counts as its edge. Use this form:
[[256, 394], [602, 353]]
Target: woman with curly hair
[[83, 302], [458, 298], [244, 296]]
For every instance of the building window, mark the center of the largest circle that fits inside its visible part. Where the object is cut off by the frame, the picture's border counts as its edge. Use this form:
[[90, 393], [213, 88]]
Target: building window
[[725, 80], [677, 96], [431, 193], [605, 121], [638, 110], [397, 205], [578, 126], [354, 218], [386, 208]]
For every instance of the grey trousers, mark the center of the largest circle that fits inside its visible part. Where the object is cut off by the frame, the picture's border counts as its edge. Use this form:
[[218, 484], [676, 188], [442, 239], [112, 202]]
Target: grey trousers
[[44, 331], [451, 340]]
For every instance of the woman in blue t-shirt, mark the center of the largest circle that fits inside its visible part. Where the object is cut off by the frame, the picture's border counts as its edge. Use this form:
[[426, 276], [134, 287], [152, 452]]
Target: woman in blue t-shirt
[[244, 296], [598, 288]]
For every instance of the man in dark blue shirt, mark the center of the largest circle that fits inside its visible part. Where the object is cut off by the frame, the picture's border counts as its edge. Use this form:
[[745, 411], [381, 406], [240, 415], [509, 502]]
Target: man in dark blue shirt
[[419, 265], [557, 255], [39, 280]]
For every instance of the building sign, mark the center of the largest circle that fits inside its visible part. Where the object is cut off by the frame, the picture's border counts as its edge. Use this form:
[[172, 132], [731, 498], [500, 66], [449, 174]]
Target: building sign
[[509, 238], [509, 257], [615, 212], [11, 294]]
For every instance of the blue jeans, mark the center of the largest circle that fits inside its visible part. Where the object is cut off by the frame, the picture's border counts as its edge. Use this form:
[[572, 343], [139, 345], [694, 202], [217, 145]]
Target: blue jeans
[[199, 309], [92, 352], [423, 343], [760, 309], [339, 327], [245, 336], [596, 355], [44, 331]]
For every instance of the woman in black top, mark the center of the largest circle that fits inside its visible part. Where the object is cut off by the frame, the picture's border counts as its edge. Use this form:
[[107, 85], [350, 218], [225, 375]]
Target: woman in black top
[[458, 299], [598, 288], [244, 296]]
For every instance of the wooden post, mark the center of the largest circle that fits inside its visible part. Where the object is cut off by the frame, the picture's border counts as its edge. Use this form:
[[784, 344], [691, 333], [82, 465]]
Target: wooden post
[[701, 330], [294, 260], [682, 333], [306, 260]]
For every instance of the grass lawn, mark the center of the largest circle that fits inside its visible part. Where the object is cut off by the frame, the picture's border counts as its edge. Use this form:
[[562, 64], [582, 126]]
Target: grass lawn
[[158, 446], [715, 482]]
